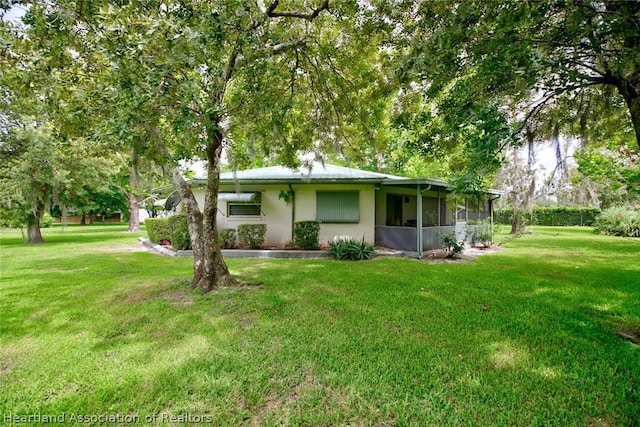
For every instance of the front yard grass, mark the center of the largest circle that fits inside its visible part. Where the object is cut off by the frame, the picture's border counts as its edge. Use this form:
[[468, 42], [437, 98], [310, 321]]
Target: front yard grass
[[525, 336]]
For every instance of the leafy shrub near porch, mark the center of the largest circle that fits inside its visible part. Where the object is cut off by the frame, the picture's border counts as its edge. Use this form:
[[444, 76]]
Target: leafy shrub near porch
[[180, 238], [227, 238], [306, 234], [251, 235], [484, 233], [450, 244], [618, 221], [158, 229], [351, 250]]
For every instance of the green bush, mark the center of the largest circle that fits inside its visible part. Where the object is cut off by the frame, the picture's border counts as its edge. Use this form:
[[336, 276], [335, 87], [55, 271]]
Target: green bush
[[180, 238], [306, 234], [251, 235], [13, 218], [505, 216], [227, 238], [450, 243], [351, 250], [484, 233], [619, 221], [158, 229], [46, 220], [557, 215]]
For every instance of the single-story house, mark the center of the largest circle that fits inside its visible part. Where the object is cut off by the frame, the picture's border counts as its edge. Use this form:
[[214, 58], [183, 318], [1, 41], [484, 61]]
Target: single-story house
[[391, 211]]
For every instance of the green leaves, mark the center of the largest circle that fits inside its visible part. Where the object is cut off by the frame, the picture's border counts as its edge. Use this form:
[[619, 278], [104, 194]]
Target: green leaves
[[615, 173], [306, 234], [351, 250], [45, 167], [477, 74]]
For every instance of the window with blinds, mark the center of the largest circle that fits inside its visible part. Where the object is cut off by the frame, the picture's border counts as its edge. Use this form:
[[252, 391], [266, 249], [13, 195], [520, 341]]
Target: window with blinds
[[240, 207], [338, 206], [243, 209]]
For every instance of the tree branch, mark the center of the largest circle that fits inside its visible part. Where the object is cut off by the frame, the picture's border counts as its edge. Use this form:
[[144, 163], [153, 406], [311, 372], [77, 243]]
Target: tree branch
[[610, 9], [587, 66], [283, 47], [229, 68], [534, 111], [272, 13]]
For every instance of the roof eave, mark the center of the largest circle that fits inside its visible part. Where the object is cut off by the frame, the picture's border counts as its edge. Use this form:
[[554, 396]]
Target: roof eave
[[430, 182], [301, 181], [415, 181], [378, 181]]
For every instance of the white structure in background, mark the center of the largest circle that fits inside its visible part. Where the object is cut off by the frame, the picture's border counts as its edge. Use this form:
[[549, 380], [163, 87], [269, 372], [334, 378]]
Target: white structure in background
[[142, 215], [406, 214]]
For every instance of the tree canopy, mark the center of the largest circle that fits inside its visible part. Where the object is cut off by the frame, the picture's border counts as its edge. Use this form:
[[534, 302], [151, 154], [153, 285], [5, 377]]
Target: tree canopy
[[46, 155], [384, 85], [545, 64], [183, 79]]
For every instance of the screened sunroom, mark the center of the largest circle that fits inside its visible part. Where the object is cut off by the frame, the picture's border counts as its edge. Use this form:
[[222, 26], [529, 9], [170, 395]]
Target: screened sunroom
[[411, 214]]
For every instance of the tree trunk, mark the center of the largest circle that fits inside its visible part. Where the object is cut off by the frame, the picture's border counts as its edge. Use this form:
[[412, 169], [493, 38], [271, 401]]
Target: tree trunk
[[517, 218], [194, 224], [33, 233], [132, 194], [626, 80], [519, 205], [134, 213], [633, 102], [631, 95], [209, 268], [215, 269], [64, 217], [530, 192], [33, 224]]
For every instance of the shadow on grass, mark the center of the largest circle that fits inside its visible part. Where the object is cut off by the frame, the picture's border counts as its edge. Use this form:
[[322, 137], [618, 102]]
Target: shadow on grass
[[387, 341], [71, 234]]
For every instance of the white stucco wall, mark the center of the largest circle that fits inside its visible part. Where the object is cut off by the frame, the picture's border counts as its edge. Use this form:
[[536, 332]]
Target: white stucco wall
[[277, 215], [275, 212]]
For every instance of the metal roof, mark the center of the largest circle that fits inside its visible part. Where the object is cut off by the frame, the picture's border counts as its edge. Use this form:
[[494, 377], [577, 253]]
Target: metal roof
[[317, 171], [324, 173]]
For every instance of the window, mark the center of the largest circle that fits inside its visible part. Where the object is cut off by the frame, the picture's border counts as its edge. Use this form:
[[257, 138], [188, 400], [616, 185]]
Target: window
[[243, 209], [243, 204], [338, 206]]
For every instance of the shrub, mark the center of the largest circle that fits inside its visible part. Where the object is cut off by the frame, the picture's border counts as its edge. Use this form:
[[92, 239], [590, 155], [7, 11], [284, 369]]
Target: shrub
[[13, 218], [619, 221], [450, 243], [251, 235], [351, 249], [46, 220], [306, 234], [227, 238], [158, 230], [484, 233], [180, 238]]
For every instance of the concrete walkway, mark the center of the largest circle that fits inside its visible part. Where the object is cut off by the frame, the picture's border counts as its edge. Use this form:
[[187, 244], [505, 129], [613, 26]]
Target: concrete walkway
[[258, 253]]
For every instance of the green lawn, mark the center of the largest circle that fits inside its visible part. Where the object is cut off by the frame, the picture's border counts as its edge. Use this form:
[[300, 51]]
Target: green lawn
[[90, 328]]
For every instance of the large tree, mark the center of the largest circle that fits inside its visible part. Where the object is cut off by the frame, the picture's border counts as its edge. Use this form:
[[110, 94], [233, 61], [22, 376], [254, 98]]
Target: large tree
[[529, 57], [288, 74], [205, 76], [44, 154], [38, 167]]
